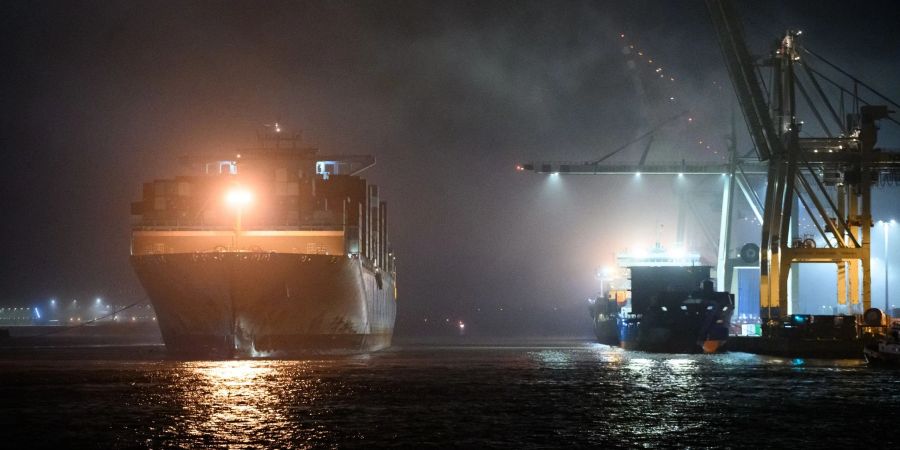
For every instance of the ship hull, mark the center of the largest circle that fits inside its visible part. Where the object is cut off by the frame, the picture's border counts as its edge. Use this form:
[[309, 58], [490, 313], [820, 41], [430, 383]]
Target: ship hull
[[695, 330], [247, 304], [686, 336], [689, 326]]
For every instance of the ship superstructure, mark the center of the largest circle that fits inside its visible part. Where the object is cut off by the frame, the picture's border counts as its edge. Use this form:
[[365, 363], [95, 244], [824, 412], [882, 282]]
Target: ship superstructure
[[269, 251]]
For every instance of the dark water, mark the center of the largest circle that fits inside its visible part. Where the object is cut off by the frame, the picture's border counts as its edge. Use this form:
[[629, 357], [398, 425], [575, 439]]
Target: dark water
[[544, 395]]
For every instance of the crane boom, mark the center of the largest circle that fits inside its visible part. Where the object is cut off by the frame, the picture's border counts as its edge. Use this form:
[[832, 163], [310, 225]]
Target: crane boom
[[744, 78]]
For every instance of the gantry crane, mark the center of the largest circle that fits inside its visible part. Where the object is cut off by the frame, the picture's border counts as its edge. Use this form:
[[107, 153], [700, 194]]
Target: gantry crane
[[831, 177]]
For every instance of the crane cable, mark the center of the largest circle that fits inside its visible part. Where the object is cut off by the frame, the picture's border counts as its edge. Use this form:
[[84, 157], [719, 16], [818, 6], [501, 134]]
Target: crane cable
[[855, 80], [639, 138]]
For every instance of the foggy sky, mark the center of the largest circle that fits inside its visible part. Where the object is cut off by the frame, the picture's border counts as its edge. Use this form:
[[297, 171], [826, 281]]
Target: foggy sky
[[99, 97]]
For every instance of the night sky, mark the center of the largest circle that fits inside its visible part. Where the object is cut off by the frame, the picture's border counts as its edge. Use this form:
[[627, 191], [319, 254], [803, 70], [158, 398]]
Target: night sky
[[99, 97]]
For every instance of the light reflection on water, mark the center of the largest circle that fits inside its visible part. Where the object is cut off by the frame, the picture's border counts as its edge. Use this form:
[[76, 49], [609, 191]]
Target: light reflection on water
[[232, 401], [247, 403], [580, 395], [553, 358], [641, 366]]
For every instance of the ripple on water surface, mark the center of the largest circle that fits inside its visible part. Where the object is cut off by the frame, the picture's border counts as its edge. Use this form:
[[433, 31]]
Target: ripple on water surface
[[553, 395]]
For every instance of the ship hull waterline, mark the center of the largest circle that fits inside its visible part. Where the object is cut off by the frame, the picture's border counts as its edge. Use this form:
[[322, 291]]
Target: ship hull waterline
[[259, 304]]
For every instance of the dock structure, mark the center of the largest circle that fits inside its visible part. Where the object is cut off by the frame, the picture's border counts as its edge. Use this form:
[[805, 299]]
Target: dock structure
[[829, 178]]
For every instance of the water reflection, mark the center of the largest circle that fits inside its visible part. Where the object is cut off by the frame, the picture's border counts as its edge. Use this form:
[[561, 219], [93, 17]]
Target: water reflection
[[231, 402], [599, 397], [607, 353], [556, 359], [683, 374], [642, 366], [681, 364]]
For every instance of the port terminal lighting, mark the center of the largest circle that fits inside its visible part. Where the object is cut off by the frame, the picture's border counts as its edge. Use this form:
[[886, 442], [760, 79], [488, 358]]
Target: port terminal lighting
[[604, 272]]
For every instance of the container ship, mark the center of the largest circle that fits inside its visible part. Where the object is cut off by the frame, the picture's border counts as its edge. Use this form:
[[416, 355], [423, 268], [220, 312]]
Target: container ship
[[270, 251], [661, 301]]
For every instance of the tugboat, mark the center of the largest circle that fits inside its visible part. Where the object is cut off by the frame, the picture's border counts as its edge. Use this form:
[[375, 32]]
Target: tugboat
[[885, 351], [664, 303]]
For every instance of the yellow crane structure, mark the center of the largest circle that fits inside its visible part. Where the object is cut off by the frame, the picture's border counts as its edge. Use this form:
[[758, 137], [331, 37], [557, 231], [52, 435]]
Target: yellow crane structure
[[829, 177]]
